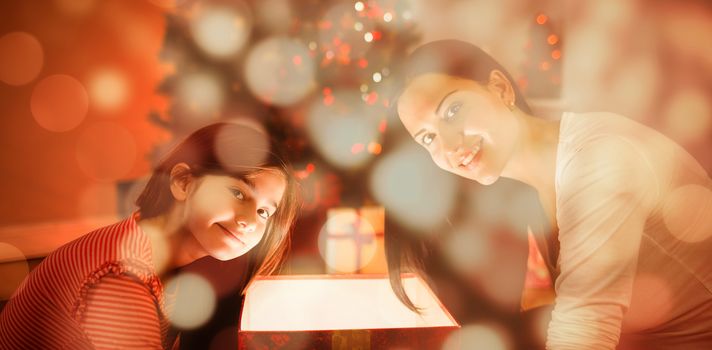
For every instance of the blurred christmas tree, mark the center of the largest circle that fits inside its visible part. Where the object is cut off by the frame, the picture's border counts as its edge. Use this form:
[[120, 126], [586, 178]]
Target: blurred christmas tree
[[311, 71]]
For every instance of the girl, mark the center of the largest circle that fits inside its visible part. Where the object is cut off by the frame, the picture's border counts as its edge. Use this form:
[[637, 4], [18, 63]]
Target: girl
[[222, 192], [631, 211]]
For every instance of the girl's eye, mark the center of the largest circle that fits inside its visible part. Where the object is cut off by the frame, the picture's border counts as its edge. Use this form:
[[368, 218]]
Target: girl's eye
[[237, 193], [451, 112], [263, 213], [428, 138]]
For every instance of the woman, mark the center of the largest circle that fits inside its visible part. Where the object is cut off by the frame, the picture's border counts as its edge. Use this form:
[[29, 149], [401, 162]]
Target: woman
[[631, 210], [222, 192]]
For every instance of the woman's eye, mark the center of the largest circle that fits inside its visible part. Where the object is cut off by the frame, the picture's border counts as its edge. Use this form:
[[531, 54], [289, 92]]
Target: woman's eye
[[428, 138], [263, 213], [237, 193], [451, 112]]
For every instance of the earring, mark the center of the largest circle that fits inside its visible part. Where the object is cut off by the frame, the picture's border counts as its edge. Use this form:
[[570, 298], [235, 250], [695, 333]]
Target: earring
[[511, 105]]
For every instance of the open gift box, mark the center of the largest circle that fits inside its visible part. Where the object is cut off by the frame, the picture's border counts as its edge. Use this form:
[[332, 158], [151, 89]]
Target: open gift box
[[340, 312]]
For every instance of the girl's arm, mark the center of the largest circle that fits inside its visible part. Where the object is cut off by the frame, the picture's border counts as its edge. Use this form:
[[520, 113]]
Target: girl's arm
[[121, 313], [603, 205]]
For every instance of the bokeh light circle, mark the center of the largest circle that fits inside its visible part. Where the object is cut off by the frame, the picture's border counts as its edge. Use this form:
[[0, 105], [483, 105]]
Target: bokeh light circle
[[106, 151], [651, 303], [342, 129], [478, 336], [199, 99], [280, 71], [241, 145], [59, 103], [75, 7], [412, 189], [21, 58], [14, 269], [687, 212], [688, 116], [108, 89], [194, 303], [221, 30]]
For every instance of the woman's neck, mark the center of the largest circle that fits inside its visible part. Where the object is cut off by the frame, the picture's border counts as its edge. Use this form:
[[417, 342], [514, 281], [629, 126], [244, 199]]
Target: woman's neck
[[534, 159], [172, 245]]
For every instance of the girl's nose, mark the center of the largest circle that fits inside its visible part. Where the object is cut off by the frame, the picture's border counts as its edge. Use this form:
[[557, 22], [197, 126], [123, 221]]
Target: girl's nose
[[246, 225]]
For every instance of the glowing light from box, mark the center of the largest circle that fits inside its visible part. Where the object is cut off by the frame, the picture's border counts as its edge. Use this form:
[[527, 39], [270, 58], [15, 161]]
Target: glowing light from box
[[273, 76], [194, 303], [320, 303], [14, 269], [686, 213], [21, 58], [108, 89], [106, 151], [414, 190], [59, 103], [478, 336], [221, 31]]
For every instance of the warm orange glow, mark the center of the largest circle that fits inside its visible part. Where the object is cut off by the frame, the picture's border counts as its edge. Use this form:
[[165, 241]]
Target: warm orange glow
[[310, 167], [374, 147], [106, 151], [556, 54], [552, 39], [541, 19], [545, 66], [21, 58], [59, 103]]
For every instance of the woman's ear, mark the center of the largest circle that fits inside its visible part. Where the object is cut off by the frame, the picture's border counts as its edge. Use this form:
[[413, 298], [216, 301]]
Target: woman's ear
[[181, 177], [502, 87]]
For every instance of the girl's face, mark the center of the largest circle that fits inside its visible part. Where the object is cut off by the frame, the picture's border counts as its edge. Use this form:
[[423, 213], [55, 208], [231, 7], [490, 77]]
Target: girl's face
[[467, 127], [228, 216]]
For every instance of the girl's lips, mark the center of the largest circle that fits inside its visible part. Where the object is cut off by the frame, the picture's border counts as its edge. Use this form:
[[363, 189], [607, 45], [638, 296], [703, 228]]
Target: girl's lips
[[232, 234]]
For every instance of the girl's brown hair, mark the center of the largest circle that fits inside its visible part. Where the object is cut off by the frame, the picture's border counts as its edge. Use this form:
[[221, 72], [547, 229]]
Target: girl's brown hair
[[238, 150]]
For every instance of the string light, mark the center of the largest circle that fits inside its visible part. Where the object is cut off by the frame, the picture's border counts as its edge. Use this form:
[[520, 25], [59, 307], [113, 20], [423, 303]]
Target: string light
[[368, 37], [541, 19], [387, 17], [377, 77], [359, 6]]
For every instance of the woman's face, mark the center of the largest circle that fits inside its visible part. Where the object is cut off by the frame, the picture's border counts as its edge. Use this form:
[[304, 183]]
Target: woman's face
[[467, 127], [228, 216]]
